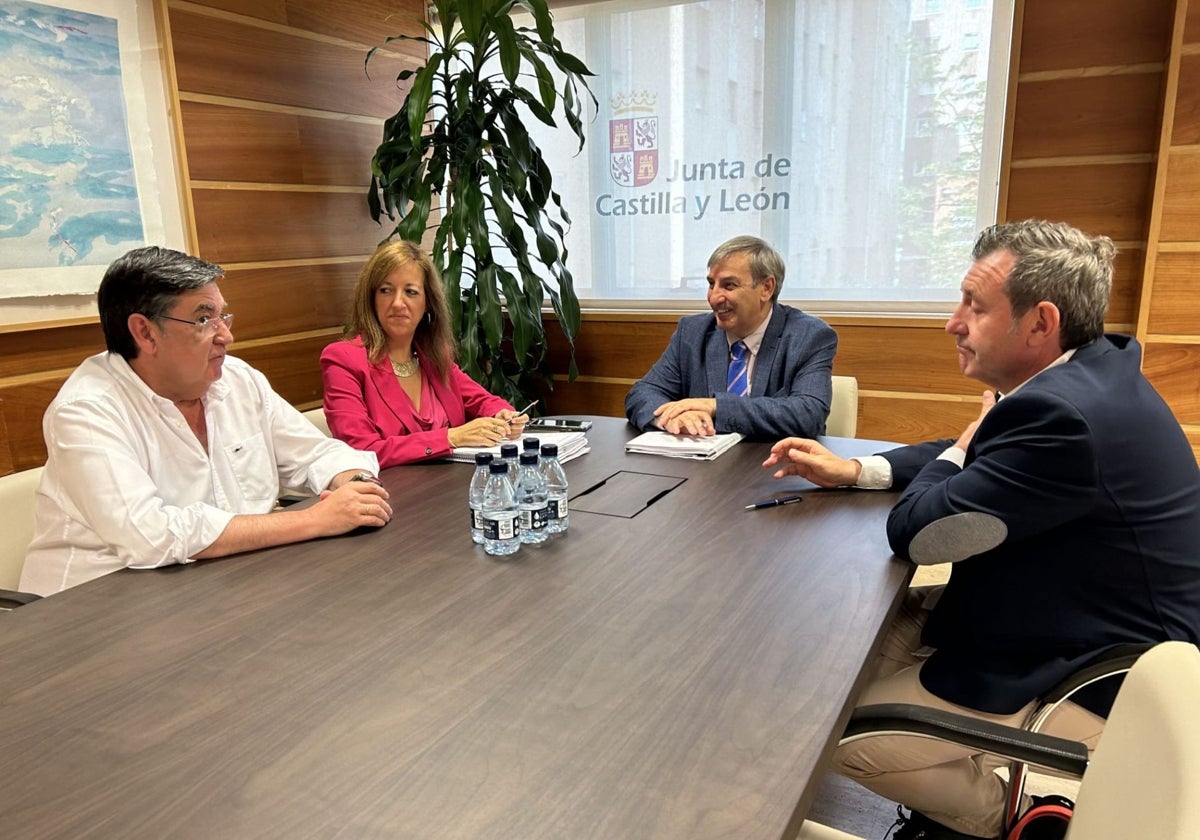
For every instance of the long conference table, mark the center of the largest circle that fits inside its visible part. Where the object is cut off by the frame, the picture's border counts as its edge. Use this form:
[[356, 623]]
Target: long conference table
[[673, 667]]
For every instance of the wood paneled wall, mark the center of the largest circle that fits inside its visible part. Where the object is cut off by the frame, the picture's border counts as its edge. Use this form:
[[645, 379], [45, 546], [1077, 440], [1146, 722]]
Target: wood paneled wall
[[1168, 323], [277, 121]]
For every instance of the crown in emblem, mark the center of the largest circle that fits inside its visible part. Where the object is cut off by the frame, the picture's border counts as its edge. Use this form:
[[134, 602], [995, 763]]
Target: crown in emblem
[[638, 101]]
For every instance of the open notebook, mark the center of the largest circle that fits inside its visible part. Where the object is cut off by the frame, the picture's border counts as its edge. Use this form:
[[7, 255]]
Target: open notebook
[[570, 445], [682, 446]]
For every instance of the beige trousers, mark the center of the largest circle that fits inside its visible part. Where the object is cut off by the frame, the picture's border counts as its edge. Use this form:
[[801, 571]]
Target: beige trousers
[[951, 784]]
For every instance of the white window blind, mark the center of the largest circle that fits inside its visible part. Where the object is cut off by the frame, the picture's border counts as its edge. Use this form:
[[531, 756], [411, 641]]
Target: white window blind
[[860, 138]]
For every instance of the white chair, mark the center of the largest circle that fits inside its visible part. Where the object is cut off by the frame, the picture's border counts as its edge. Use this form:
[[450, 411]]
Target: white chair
[[843, 411], [1143, 779], [316, 416], [16, 500]]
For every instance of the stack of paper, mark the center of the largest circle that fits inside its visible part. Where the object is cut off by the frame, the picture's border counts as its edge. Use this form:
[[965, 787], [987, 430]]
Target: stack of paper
[[570, 445], [682, 446]]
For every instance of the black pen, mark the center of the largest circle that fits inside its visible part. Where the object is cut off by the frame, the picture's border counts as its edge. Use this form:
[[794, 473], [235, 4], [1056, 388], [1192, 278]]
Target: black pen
[[782, 500]]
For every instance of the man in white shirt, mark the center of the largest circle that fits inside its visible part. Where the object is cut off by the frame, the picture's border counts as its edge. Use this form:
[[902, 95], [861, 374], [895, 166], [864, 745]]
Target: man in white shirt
[[165, 450], [1070, 511]]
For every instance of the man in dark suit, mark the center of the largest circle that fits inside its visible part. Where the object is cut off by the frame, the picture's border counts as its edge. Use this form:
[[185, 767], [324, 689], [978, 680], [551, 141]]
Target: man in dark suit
[[1070, 509], [753, 366]]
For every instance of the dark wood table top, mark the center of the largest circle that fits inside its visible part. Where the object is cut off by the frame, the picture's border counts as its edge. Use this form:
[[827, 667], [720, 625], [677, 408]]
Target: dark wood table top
[[682, 673]]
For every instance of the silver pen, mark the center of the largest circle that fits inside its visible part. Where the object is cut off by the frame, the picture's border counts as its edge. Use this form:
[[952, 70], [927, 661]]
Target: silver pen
[[525, 409]]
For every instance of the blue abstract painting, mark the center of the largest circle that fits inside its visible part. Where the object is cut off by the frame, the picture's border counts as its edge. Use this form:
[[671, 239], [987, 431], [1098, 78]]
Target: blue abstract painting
[[68, 194]]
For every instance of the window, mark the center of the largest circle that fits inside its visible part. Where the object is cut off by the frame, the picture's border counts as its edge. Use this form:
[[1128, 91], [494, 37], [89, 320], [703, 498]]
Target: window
[[810, 124]]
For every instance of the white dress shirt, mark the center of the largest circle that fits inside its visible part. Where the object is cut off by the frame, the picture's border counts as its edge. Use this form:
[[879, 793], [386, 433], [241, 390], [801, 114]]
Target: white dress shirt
[[127, 482]]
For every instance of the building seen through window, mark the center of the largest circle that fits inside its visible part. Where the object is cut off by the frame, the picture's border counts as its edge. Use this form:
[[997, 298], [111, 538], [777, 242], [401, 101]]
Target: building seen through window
[[853, 136]]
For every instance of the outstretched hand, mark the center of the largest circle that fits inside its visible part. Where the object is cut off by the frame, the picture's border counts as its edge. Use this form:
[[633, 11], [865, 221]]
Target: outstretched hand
[[813, 462]]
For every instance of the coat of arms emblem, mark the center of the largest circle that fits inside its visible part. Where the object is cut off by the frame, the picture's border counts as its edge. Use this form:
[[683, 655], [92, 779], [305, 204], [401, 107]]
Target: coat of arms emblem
[[633, 139]]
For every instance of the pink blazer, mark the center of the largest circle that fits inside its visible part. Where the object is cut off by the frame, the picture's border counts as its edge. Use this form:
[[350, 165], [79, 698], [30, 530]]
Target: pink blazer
[[367, 408]]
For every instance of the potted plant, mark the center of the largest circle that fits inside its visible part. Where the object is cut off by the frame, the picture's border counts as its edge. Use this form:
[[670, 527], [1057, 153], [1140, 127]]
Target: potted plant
[[460, 139]]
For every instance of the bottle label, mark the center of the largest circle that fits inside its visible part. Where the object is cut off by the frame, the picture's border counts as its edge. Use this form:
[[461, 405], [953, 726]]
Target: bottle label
[[533, 520], [500, 529], [558, 508], [476, 519]]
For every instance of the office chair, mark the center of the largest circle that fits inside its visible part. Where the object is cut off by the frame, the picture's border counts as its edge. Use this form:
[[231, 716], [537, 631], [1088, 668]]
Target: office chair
[[17, 502], [843, 410], [316, 416], [1143, 780], [1112, 663]]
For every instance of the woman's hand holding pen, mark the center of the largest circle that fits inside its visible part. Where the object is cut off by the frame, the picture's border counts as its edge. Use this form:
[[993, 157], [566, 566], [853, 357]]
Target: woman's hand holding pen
[[516, 420], [488, 431]]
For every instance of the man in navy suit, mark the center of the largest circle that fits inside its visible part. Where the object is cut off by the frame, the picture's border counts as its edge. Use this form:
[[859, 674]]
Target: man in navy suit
[[1070, 509], [786, 357]]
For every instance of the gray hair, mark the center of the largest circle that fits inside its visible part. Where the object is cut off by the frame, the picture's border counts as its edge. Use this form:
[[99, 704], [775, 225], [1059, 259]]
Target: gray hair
[[146, 281], [1059, 264], [764, 260]]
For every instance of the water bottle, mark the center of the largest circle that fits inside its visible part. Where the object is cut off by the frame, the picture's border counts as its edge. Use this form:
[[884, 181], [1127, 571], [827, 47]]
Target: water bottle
[[475, 495], [556, 489], [501, 530], [508, 454], [531, 500], [529, 444]]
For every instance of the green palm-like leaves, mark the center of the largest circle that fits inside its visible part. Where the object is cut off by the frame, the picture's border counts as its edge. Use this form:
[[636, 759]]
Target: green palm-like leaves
[[460, 138]]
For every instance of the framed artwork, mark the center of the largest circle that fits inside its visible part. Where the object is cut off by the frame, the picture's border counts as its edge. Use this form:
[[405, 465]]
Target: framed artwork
[[87, 162]]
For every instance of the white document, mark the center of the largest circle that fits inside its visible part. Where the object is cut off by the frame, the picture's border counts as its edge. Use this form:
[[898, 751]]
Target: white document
[[570, 445], [682, 446]]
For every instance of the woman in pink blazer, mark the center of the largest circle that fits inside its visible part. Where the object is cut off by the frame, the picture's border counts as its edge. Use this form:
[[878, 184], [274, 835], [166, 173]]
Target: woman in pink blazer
[[391, 386]]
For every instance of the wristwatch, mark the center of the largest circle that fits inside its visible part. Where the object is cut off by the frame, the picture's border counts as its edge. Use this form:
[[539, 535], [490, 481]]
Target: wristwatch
[[366, 476]]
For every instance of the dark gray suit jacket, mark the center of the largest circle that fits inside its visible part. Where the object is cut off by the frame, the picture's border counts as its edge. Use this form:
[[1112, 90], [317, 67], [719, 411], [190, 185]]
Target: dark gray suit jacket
[[791, 391]]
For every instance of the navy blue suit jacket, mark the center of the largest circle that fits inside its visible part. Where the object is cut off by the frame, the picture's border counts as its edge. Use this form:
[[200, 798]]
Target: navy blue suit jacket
[[1100, 492], [789, 395]]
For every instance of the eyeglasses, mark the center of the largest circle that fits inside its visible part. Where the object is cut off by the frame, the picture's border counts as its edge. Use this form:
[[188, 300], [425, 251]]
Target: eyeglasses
[[205, 324]]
